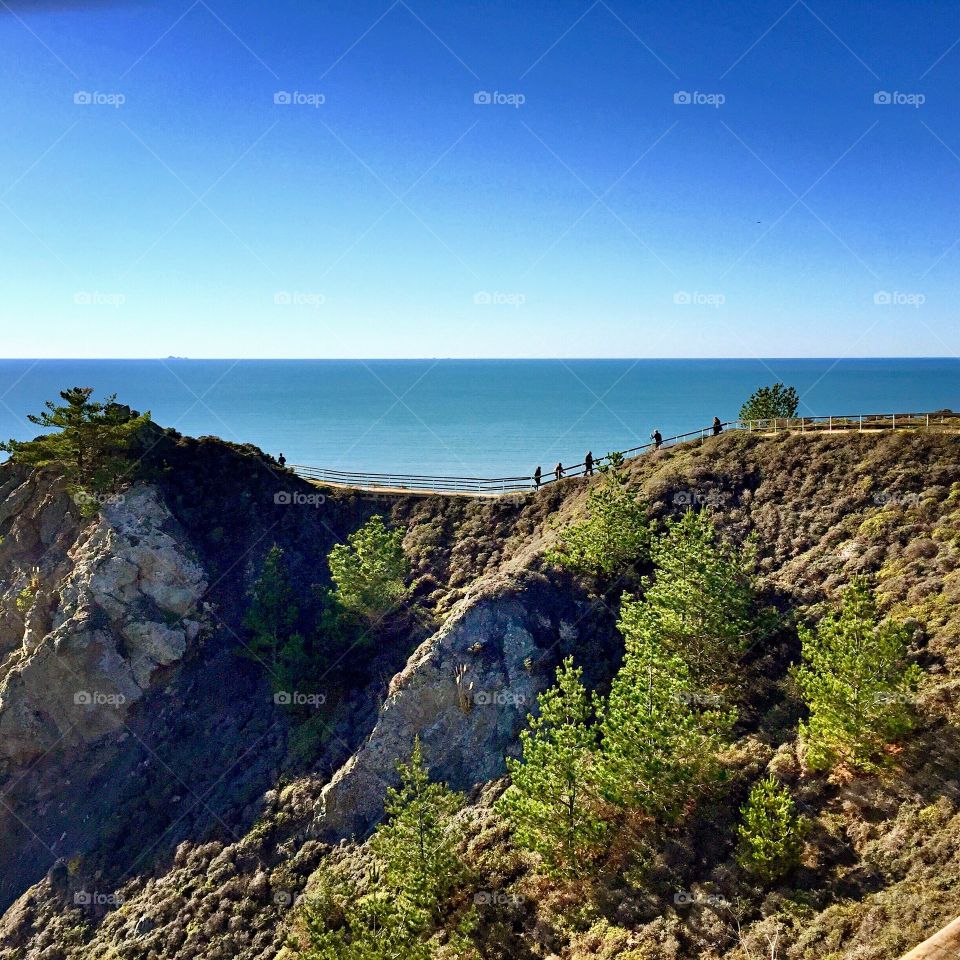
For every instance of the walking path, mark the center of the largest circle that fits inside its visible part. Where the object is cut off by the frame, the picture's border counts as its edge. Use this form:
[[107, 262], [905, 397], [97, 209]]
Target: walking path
[[497, 486]]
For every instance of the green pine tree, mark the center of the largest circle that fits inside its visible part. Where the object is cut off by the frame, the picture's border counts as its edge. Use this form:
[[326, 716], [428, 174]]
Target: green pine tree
[[615, 532], [551, 803], [856, 683], [658, 745], [771, 832], [701, 603], [368, 571], [769, 402], [89, 441], [338, 923], [272, 613], [415, 867], [417, 843]]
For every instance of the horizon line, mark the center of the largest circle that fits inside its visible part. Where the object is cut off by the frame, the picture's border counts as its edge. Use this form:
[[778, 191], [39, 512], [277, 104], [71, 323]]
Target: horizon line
[[545, 359]]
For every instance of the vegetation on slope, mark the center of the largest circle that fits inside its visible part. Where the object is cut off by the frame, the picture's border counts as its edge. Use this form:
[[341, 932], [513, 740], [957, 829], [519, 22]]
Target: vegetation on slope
[[870, 853]]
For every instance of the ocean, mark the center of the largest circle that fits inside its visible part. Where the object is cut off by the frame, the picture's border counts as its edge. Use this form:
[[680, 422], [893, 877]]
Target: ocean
[[480, 418]]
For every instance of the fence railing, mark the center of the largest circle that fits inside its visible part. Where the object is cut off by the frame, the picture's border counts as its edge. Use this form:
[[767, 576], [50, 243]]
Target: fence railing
[[490, 486]]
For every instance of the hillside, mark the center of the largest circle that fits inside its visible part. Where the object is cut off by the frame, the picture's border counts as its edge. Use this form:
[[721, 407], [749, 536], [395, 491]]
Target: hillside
[[158, 802]]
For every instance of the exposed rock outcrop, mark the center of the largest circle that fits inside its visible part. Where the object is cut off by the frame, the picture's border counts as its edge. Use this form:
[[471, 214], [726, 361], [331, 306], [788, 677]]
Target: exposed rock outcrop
[[97, 625], [465, 693]]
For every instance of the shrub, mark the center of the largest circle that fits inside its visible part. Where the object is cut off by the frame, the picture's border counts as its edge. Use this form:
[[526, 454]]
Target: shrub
[[614, 534], [856, 683], [767, 403], [702, 601], [369, 570], [657, 746], [272, 613], [771, 832], [551, 801]]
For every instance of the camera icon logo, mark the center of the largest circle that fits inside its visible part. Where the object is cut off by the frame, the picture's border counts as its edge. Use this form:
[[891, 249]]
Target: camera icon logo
[[82, 698], [282, 97], [482, 96], [83, 97], [283, 698], [282, 498], [682, 96], [882, 96]]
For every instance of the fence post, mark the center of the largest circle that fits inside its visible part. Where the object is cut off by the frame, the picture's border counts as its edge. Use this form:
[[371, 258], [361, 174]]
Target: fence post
[[928, 422], [830, 428], [894, 421], [861, 423]]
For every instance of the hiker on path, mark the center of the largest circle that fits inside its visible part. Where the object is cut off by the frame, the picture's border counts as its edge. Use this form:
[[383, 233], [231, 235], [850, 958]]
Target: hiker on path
[[282, 460], [588, 464], [537, 474], [558, 471], [717, 426], [657, 439]]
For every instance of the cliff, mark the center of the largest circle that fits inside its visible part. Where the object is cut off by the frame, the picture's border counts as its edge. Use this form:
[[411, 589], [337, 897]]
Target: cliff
[[152, 805]]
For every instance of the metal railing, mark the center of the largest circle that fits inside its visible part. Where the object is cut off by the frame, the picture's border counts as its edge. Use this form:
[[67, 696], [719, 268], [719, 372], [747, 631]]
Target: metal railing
[[413, 482], [946, 422]]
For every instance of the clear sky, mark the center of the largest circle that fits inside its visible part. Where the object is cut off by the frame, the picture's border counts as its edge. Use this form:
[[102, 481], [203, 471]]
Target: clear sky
[[778, 209]]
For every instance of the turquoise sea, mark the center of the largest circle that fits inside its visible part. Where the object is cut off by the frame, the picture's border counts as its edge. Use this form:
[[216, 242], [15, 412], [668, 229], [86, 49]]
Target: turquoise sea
[[465, 417]]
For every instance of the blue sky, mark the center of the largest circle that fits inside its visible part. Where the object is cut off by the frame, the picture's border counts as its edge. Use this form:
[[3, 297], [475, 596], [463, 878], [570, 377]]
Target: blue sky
[[782, 211]]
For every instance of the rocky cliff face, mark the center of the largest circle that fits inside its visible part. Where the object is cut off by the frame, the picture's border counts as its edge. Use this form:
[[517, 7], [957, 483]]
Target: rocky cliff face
[[465, 693], [124, 601], [172, 824]]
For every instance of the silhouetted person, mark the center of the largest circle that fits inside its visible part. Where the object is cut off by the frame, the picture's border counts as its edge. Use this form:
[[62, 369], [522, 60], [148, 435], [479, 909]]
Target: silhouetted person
[[717, 426], [282, 460], [558, 471], [588, 464], [537, 474], [657, 439]]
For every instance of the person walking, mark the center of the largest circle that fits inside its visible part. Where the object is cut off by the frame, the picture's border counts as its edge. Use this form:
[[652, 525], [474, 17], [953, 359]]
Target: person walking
[[282, 460], [657, 439], [558, 471], [588, 464], [537, 474], [717, 426]]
